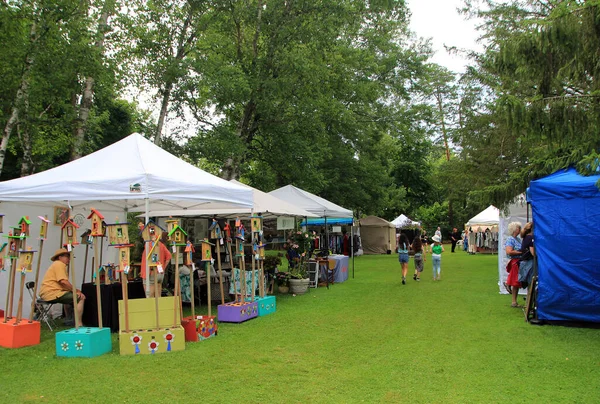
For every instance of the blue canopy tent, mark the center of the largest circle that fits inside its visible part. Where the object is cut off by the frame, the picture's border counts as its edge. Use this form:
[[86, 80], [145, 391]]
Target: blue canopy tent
[[566, 213]]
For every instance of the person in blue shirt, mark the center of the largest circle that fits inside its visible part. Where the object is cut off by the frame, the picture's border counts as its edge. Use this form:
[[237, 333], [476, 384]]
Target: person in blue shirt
[[403, 246]]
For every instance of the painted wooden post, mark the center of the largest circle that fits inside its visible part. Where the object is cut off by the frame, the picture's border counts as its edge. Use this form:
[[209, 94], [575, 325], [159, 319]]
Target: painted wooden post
[[97, 272]]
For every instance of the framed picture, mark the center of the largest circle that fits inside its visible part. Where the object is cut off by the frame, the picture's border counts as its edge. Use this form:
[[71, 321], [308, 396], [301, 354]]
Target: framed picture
[[61, 215]]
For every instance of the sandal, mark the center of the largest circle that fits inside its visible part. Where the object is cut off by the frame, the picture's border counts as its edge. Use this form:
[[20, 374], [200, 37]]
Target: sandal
[[514, 305]]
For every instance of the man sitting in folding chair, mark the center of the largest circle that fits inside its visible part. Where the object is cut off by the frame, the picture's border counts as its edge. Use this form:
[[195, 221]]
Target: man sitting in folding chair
[[42, 307], [56, 287]]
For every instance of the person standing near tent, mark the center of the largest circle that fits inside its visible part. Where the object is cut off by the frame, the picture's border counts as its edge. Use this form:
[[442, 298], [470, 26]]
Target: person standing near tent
[[417, 247], [164, 256], [455, 236], [513, 253], [465, 240], [526, 263], [438, 232], [436, 257], [346, 243], [425, 241], [403, 246]]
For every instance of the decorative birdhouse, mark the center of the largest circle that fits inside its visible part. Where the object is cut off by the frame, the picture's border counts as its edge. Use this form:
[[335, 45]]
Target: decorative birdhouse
[[151, 231], [118, 233], [124, 258], [1, 223], [227, 230], [206, 250], [215, 230], [69, 229], [256, 223], [25, 260], [86, 238], [238, 222], [12, 244], [43, 227], [171, 223], [177, 236], [240, 246], [240, 231], [261, 251], [188, 257], [153, 257], [24, 226], [97, 218]]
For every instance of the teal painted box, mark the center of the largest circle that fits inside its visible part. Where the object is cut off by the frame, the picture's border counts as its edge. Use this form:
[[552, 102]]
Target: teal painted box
[[85, 342], [266, 305]]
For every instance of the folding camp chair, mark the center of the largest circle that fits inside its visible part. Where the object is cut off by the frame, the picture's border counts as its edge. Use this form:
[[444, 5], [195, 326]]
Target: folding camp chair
[[42, 307]]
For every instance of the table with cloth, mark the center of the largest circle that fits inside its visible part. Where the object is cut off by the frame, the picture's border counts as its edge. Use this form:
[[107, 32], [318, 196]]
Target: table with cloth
[[110, 296], [340, 272]]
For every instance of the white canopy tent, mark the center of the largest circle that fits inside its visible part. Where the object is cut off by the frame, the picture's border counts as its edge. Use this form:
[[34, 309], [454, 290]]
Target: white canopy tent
[[516, 212], [266, 204], [490, 216], [310, 202], [132, 175], [404, 221]]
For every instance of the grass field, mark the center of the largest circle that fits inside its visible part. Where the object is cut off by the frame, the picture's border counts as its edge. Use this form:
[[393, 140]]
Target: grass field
[[370, 339]]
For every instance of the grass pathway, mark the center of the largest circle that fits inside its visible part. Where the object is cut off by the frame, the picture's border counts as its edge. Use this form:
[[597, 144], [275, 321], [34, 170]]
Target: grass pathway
[[370, 339]]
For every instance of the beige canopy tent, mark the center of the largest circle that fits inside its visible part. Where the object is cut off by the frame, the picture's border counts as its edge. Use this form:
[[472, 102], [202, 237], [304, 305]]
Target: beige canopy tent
[[378, 235]]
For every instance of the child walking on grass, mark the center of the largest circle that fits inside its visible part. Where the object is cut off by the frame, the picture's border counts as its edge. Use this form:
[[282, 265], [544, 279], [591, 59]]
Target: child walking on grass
[[436, 257], [417, 247]]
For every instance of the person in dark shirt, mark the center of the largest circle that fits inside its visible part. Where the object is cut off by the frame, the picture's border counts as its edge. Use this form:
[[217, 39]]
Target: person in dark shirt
[[455, 236], [526, 262]]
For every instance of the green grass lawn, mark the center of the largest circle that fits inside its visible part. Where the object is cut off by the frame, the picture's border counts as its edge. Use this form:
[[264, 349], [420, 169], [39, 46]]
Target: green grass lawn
[[370, 339]]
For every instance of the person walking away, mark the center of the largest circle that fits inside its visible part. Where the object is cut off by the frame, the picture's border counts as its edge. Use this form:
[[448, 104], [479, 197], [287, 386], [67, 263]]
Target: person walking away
[[419, 257], [512, 247], [425, 241], [436, 257], [454, 236], [403, 246], [526, 263]]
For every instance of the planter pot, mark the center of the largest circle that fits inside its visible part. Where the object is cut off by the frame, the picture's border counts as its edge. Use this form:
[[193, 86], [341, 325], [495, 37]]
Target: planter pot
[[299, 286], [283, 289]]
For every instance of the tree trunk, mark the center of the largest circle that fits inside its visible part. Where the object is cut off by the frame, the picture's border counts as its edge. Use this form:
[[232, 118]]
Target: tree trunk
[[22, 94], [87, 98], [438, 97]]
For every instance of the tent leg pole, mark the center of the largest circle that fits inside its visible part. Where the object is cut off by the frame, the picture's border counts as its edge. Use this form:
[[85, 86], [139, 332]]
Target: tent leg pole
[[147, 269]]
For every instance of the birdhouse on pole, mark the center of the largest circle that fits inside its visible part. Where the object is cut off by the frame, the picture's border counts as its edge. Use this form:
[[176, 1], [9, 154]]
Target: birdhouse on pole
[[97, 218], [215, 230], [171, 223], [227, 230], [124, 257], [177, 236], [25, 260], [24, 224], [69, 229], [151, 231], [189, 253], [153, 257], [118, 233], [256, 223], [43, 227], [206, 250]]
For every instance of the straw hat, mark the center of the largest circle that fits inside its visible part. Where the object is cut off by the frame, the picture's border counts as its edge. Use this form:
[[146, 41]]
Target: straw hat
[[58, 253]]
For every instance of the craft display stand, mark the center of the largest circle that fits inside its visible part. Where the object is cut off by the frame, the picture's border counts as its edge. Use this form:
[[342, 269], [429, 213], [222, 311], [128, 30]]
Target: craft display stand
[[199, 327], [266, 304], [84, 342], [239, 310], [16, 332]]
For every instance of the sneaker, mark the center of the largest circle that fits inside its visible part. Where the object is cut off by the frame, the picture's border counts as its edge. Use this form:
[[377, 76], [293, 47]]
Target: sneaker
[[415, 277], [418, 279], [403, 280]]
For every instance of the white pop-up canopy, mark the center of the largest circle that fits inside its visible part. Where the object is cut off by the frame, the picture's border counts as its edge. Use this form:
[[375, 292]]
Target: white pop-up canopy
[[310, 202], [490, 216], [404, 221], [266, 204], [124, 175]]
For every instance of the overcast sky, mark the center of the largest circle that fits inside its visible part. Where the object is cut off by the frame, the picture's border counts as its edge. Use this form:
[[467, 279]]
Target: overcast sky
[[439, 20]]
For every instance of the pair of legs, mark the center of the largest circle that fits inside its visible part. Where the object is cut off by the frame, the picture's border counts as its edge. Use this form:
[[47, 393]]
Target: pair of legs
[[156, 290], [418, 267], [515, 295], [403, 258], [437, 267], [67, 300]]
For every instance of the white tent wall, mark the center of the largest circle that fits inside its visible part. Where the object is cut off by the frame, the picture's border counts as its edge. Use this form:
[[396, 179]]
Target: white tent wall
[[516, 212], [14, 211], [378, 235]]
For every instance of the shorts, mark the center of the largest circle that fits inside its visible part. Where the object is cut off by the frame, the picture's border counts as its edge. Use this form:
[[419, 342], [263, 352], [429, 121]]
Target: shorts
[[67, 298], [419, 262], [403, 258]]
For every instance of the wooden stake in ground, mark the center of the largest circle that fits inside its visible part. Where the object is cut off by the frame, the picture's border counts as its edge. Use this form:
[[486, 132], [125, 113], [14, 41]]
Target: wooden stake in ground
[[207, 258], [218, 242], [176, 290], [11, 274], [189, 261], [253, 258], [74, 290], [43, 234], [85, 260], [125, 292], [23, 266], [97, 272]]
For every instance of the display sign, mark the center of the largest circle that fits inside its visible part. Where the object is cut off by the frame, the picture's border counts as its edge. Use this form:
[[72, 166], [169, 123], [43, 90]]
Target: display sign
[[286, 223]]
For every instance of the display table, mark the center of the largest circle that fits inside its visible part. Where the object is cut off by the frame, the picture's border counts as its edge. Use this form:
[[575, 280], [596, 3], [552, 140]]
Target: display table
[[340, 273], [110, 295]]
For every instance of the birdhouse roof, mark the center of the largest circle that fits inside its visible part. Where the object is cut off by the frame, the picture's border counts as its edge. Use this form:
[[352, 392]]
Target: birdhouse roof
[[206, 242], [188, 247], [176, 228], [25, 219], [3, 246], [71, 222], [123, 245], [214, 225], [27, 251], [116, 224], [150, 222], [95, 212], [42, 218]]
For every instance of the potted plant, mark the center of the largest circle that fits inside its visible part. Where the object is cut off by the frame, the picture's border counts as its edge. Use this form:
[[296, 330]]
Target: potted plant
[[283, 282], [300, 246], [271, 265]]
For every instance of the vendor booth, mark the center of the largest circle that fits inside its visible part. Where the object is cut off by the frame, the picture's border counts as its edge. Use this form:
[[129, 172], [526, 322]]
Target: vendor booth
[[483, 231], [404, 221], [132, 175], [378, 235], [566, 216]]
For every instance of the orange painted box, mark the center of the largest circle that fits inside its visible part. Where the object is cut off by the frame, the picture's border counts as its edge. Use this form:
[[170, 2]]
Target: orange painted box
[[19, 335]]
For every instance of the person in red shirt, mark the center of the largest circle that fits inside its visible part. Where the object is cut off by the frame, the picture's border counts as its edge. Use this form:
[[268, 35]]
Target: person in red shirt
[[164, 256]]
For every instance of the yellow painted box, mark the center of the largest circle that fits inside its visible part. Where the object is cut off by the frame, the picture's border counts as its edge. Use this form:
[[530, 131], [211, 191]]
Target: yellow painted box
[[148, 342]]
